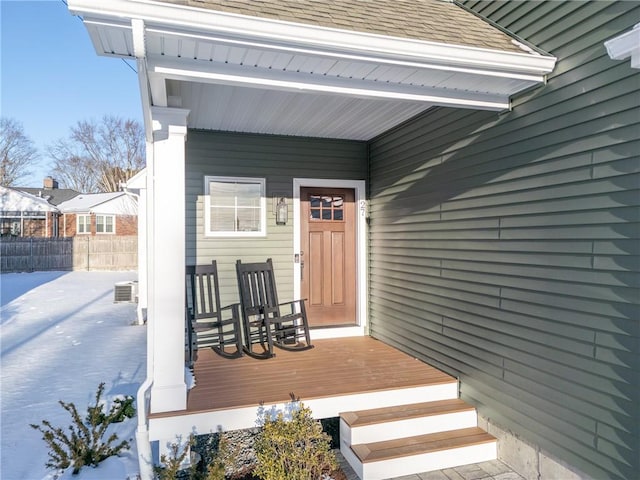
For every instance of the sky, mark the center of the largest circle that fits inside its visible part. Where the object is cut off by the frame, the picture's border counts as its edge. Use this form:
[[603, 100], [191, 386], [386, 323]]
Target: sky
[[51, 77]]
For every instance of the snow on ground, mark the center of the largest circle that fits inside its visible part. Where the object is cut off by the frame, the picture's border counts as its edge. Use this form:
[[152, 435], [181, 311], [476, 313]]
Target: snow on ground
[[61, 334]]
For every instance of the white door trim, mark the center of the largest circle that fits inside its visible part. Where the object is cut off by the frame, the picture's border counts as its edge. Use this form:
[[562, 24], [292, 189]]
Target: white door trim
[[361, 252]]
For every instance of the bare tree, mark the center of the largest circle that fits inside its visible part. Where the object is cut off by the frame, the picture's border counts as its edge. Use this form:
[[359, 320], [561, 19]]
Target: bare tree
[[17, 152], [99, 156]]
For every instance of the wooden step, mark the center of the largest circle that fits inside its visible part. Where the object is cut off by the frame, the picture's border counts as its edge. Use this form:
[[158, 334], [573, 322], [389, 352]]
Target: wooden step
[[382, 424], [431, 442], [421, 453]]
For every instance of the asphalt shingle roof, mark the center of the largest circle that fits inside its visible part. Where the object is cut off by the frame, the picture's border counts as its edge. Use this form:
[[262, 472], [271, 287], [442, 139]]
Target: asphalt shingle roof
[[427, 20], [55, 196]]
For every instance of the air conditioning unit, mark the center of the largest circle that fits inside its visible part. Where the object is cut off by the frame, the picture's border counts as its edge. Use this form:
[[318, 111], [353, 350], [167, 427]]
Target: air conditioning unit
[[126, 292]]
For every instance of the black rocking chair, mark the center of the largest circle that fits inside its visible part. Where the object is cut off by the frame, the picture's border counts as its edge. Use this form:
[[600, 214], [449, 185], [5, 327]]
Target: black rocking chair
[[208, 324], [264, 323]]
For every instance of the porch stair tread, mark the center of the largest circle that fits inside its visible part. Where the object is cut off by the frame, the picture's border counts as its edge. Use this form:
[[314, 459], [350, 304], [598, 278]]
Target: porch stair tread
[[421, 444], [405, 412]]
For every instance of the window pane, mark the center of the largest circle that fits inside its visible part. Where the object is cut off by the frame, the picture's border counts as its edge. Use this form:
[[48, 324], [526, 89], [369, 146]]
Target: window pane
[[248, 220], [248, 194], [84, 224], [108, 224], [99, 223], [338, 215], [223, 220], [222, 193]]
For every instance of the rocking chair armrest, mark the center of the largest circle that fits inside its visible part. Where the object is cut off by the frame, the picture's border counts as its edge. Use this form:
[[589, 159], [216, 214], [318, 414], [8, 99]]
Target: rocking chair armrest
[[234, 307], [293, 303]]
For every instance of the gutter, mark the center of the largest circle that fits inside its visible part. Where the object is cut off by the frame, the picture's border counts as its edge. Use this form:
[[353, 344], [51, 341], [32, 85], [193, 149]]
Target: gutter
[[140, 52], [625, 46], [145, 456], [185, 20]]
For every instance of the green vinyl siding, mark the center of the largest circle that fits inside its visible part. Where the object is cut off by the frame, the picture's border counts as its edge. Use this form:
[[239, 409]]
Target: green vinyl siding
[[279, 160], [505, 248]]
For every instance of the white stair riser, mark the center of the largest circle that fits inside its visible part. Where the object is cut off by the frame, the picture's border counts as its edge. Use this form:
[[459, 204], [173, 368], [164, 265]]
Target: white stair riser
[[351, 458], [398, 467], [332, 406], [408, 427]]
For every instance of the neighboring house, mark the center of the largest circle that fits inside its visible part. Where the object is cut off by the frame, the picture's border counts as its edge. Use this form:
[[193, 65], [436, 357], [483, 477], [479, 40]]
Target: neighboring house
[[51, 192], [26, 215], [481, 160], [114, 213]]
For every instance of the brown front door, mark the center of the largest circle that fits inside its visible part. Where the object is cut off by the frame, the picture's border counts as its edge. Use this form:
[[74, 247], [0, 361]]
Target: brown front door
[[328, 255]]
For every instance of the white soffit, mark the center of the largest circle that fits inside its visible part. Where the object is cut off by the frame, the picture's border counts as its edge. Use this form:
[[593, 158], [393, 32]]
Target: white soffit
[[325, 77]]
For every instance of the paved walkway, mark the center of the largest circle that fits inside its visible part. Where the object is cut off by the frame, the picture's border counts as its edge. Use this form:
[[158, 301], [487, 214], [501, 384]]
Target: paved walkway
[[492, 470]]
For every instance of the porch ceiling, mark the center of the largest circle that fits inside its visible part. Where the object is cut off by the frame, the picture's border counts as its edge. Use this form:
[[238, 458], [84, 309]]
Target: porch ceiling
[[241, 73]]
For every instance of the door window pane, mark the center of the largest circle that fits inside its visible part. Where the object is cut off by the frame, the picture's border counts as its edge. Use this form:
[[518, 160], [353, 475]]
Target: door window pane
[[326, 208]]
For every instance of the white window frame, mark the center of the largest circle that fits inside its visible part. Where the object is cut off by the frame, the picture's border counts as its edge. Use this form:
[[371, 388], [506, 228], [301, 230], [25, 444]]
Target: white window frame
[[86, 223], [207, 206], [113, 218]]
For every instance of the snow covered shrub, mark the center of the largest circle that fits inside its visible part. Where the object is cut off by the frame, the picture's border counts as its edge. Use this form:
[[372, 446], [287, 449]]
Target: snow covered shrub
[[294, 448], [172, 464], [83, 444], [212, 466]]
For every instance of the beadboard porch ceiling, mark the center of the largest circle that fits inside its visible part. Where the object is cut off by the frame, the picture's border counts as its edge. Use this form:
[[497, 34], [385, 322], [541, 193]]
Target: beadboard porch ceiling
[[236, 72]]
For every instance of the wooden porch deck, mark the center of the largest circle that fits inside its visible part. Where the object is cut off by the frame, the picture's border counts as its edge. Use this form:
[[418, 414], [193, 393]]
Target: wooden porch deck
[[338, 375], [334, 367]]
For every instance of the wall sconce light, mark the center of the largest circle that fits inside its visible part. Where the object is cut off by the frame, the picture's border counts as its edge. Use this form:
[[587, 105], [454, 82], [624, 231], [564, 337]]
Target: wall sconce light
[[282, 211]]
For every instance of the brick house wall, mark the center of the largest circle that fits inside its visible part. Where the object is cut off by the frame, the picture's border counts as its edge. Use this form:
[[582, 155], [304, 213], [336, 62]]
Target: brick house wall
[[125, 225]]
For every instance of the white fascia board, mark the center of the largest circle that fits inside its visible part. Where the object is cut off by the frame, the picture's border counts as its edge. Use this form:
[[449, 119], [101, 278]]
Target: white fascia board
[[403, 61], [138, 181], [208, 72], [626, 45], [187, 20]]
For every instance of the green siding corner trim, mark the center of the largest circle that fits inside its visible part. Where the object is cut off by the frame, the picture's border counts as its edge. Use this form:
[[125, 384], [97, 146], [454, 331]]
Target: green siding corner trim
[[505, 249]]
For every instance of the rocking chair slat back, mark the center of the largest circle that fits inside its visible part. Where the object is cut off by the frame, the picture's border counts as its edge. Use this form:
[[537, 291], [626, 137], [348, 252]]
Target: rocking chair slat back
[[263, 321], [209, 323]]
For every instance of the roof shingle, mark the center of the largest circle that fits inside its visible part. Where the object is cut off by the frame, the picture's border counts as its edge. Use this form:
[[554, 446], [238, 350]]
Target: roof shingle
[[426, 20]]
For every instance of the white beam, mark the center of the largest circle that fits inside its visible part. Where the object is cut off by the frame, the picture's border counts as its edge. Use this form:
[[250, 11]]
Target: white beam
[[236, 75], [158, 86]]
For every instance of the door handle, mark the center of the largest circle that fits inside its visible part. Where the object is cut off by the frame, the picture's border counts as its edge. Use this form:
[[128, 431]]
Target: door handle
[[301, 271]]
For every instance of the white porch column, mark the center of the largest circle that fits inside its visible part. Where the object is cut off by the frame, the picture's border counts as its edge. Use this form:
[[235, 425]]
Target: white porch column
[[166, 260]]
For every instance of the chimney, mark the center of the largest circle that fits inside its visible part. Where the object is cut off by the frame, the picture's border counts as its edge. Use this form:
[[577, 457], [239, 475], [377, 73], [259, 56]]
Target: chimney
[[49, 183]]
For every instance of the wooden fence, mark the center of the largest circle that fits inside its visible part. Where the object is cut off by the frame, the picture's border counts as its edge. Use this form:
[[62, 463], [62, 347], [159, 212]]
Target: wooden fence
[[77, 253]]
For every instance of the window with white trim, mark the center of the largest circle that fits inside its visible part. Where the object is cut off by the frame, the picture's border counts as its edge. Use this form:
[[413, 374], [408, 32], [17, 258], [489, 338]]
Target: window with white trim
[[105, 224], [234, 207], [83, 224]]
